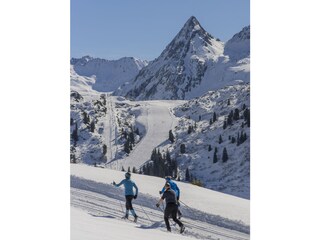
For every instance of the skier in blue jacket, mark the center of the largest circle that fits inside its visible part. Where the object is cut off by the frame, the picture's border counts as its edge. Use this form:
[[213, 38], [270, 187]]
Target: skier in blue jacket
[[176, 189], [128, 192]]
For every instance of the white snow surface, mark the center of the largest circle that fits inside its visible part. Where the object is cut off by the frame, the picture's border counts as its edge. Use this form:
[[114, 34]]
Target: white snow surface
[[155, 119], [97, 208], [85, 226], [109, 74]]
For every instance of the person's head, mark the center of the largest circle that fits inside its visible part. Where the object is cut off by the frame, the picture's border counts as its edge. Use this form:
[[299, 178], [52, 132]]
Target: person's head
[[167, 186], [128, 175], [167, 178]]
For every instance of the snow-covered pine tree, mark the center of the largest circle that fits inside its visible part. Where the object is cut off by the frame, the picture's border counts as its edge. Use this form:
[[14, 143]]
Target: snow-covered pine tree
[[225, 155], [171, 137]]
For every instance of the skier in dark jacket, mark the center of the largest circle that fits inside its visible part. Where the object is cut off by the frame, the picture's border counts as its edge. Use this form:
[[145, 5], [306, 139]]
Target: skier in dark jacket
[[128, 192], [175, 188], [171, 207]]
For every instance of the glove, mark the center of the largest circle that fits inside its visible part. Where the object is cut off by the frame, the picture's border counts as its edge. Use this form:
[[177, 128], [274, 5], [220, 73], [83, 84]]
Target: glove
[[113, 183], [158, 205], [160, 192], [135, 196]]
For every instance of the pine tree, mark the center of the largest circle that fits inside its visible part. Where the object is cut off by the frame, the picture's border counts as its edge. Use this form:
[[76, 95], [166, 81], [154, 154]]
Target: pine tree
[[86, 118], [215, 149], [230, 118], [71, 121], [190, 129], [199, 118], [214, 118], [131, 137], [220, 139], [92, 126], [134, 170], [171, 137], [224, 155], [137, 131], [168, 157], [224, 124], [127, 147], [187, 175], [228, 102], [128, 170], [104, 149], [210, 121], [73, 155], [182, 148], [209, 148], [74, 135], [122, 169], [233, 140], [215, 157], [236, 115]]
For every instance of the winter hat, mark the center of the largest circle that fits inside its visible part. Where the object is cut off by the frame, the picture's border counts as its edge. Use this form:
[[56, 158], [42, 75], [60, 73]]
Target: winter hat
[[127, 175]]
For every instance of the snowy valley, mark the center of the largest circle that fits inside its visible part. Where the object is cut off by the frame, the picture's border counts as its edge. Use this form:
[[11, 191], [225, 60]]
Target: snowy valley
[[184, 114]]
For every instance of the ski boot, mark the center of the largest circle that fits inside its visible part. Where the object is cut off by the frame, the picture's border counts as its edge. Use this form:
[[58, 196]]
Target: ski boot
[[182, 229]]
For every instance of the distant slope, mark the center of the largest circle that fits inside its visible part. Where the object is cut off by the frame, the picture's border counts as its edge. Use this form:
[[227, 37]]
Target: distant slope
[[108, 74]]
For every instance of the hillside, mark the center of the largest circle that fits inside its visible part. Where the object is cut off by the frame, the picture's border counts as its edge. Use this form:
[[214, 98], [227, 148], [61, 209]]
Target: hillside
[[199, 130], [97, 206], [108, 74]]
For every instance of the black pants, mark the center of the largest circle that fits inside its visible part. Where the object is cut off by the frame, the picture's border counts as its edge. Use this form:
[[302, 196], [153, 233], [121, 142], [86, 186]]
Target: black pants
[[129, 202], [171, 210]]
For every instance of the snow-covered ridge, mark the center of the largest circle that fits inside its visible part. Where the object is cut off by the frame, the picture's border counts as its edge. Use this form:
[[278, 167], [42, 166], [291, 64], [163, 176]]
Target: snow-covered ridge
[[238, 47], [193, 61], [109, 74]]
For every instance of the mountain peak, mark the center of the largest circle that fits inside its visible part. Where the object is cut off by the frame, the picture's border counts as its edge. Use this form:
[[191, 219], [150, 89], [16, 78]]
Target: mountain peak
[[191, 25], [192, 22]]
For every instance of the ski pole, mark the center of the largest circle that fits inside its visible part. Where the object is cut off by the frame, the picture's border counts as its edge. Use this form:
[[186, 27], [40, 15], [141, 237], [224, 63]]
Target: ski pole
[[145, 213], [121, 206]]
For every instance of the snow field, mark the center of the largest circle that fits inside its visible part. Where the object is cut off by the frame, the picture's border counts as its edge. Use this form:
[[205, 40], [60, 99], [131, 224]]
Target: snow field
[[92, 192]]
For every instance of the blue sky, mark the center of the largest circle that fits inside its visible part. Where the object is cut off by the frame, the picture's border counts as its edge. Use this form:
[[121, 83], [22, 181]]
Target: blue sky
[[113, 29]]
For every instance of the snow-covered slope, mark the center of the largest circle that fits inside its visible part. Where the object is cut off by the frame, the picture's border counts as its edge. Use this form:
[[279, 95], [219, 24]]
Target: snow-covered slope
[[200, 134], [108, 74], [97, 205], [86, 226], [193, 63], [238, 47], [154, 119]]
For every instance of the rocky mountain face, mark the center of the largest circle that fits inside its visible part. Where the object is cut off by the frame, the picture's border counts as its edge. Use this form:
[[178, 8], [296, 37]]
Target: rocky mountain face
[[193, 63]]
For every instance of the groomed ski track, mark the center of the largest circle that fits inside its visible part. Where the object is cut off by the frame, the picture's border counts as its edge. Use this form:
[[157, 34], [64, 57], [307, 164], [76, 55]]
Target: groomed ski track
[[104, 201], [154, 119]]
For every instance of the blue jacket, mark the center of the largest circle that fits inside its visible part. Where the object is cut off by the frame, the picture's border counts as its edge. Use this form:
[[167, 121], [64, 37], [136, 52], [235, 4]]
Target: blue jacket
[[128, 186], [174, 187]]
